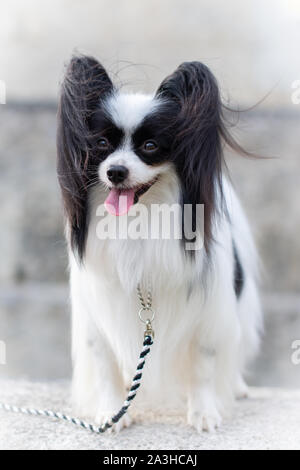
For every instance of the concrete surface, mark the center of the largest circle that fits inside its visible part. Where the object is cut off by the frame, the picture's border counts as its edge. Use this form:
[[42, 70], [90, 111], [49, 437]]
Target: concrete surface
[[31, 238], [35, 326], [270, 419]]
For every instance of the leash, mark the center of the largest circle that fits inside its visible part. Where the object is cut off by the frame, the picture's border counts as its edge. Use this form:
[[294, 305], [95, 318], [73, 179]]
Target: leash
[[146, 307]]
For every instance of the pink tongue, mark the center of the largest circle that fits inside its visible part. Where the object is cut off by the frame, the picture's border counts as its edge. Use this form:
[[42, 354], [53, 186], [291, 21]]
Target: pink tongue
[[119, 201]]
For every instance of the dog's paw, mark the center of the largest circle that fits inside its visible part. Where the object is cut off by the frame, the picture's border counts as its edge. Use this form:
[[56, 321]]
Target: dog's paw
[[203, 413], [207, 419], [241, 390], [102, 418]]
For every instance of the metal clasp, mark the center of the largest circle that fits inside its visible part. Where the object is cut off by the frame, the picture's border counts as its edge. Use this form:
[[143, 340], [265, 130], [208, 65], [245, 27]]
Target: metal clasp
[[148, 321], [148, 330], [147, 309]]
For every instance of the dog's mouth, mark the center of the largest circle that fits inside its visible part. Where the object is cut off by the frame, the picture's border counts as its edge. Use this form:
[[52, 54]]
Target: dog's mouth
[[119, 200]]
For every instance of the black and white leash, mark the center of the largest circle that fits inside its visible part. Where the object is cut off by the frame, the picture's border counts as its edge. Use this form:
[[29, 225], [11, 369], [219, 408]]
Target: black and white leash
[[136, 381]]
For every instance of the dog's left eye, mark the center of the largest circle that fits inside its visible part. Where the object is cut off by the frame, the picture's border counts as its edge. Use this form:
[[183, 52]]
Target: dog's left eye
[[103, 144], [150, 146]]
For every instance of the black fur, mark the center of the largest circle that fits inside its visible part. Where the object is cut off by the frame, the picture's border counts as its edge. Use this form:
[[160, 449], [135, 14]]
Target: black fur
[[85, 84], [158, 126], [239, 279], [197, 148], [102, 126]]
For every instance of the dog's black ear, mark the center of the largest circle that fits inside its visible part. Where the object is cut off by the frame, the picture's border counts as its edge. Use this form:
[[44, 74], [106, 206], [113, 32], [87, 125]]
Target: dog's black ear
[[85, 84], [198, 128]]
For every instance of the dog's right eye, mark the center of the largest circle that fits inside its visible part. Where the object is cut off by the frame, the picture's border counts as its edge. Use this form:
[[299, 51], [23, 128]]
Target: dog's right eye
[[150, 146], [103, 144]]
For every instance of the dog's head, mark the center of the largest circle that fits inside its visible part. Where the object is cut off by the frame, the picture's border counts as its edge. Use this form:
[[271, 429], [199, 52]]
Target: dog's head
[[128, 141]]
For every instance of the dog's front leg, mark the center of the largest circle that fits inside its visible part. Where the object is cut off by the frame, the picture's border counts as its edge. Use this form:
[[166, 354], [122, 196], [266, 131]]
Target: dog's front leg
[[203, 411], [109, 386], [98, 389]]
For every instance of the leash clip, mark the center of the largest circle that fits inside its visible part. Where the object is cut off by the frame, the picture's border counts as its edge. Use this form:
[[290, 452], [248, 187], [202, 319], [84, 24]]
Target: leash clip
[[148, 321], [149, 330]]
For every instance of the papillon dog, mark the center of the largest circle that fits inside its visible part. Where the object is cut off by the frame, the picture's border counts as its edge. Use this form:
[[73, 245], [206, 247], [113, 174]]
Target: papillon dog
[[119, 151]]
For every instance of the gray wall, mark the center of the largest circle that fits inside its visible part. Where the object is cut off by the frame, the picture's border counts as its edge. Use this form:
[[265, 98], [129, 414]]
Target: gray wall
[[252, 48]]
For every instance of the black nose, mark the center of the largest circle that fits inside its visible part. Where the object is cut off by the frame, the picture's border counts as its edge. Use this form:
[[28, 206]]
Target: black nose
[[117, 173]]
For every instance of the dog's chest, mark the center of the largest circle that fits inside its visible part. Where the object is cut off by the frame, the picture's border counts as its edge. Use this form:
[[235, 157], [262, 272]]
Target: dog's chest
[[116, 315], [114, 268]]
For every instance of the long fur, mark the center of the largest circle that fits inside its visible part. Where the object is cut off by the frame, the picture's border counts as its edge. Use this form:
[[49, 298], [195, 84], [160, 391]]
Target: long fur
[[206, 330]]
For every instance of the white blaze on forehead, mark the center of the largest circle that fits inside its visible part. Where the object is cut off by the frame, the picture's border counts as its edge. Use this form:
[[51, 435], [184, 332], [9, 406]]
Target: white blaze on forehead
[[128, 110]]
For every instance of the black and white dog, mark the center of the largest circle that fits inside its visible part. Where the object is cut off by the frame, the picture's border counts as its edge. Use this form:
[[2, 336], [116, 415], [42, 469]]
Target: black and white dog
[[163, 148]]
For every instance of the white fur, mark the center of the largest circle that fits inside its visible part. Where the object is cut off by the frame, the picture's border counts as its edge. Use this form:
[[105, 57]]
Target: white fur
[[128, 109], [203, 335]]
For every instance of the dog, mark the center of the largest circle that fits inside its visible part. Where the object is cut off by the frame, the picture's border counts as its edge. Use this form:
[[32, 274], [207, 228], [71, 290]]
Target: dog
[[164, 149]]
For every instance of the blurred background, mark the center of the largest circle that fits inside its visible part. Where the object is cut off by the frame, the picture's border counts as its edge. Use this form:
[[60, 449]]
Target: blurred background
[[253, 49]]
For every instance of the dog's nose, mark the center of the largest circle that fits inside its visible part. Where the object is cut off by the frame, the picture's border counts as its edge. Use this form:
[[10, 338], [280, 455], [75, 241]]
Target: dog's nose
[[117, 173]]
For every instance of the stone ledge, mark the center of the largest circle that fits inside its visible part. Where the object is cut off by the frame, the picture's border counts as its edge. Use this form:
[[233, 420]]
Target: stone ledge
[[269, 419]]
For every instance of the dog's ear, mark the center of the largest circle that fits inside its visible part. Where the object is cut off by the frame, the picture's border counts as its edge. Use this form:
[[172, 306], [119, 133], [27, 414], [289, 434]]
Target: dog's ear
[[198, 128], [85, 84]]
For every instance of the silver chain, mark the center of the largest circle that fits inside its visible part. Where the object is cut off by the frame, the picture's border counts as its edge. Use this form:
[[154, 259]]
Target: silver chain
[[148, 303]]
